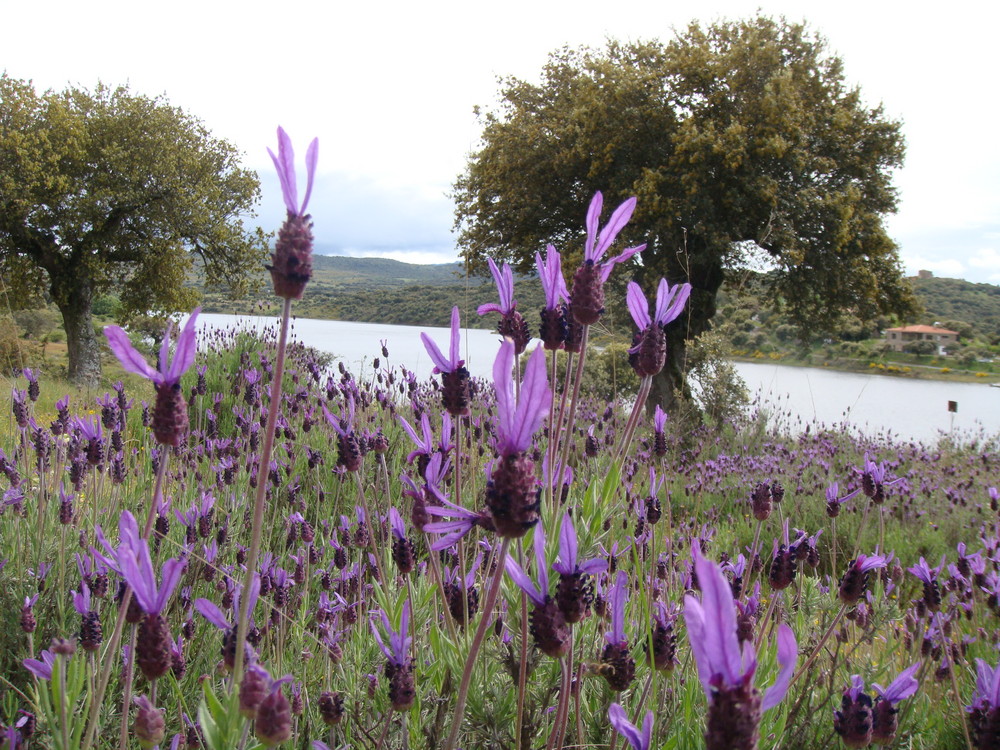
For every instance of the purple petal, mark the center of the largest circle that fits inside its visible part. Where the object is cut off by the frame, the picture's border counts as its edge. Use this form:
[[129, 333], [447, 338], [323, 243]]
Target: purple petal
[[504, 386], [615, 225], [628, 730], [489, 307], [593, 221], [285, 164], [334, 422], [523, 581], [454, 350], [533, 403], [126, 354], [171, 574], [440, 363], [186, 347], [312, 157], [638, 306], [676, 306], [542, 568], [567, 544], [902, 687], [788, 651], [720, 639], [212, 613], [608, 266]]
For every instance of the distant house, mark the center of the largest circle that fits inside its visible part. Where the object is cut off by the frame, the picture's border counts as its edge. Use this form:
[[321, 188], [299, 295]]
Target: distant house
[[897, 338]]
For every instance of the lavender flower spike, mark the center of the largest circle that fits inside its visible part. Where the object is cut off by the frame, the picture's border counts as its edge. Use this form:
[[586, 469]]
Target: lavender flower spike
[[170, 419], [454, 376], [512, 324], [726, 672], [291, 261], [398, 649], [649, 353], [550, 274], [638, 740]]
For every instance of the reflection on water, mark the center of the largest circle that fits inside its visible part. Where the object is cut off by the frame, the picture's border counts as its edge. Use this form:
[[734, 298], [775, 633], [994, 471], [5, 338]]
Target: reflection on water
[[908, 409]]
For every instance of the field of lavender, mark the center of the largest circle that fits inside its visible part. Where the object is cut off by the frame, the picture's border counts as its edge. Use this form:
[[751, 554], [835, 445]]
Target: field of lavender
[[241, 547]]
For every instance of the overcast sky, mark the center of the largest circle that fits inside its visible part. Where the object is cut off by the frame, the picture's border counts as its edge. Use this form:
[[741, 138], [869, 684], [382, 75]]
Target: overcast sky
[[389, 89]]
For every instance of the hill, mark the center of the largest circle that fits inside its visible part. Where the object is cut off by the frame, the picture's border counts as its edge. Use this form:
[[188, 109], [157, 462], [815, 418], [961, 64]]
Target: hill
[[960, 301]]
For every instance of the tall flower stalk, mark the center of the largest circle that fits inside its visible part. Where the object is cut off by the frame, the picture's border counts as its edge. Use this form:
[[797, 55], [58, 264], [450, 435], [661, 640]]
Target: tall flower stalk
[[291, 269]]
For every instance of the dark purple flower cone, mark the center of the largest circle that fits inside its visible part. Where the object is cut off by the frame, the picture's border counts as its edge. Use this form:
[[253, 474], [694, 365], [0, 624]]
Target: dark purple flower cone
[[782, 572], [273, 724], [659, 444], [331, 708], [652, 353], [853, 722], [733, 718], [574, 595], [760, 502], [591, 447], [455, 394], [587, 296], [515, 327], [401, 688], [453, 593], [574, 334], [512, 495], [552, 328], [664, 647], [90, 632], [618, 666], [152, 647], [746, 624], [985, 723], [149, 726], [170, 418], [884, 722], [932, 596], [402, 555], [254, 688], [653, 510], [853, 584], [348, 452], [28, 621], [549, 629], [291, 261]]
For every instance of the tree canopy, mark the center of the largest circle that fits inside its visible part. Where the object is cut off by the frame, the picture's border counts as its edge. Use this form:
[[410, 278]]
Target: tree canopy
[[742, 142], [108, 189]]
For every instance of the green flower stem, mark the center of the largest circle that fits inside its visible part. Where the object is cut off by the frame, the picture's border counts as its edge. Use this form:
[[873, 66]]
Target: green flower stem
[[477, 642], [263, 466]]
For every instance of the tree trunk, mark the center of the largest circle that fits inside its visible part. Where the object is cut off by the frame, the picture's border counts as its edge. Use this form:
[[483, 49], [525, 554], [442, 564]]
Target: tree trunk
[[74, 299], [670, 389]]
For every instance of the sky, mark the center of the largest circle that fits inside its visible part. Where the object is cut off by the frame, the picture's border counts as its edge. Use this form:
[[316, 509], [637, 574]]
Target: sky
[[389, 88]]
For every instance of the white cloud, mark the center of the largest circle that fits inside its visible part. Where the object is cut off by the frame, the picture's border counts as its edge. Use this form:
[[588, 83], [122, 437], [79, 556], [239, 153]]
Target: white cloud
[[987, 258], [949, 267]]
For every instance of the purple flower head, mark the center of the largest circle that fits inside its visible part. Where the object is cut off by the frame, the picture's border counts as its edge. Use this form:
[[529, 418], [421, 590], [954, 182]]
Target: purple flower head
[[568, 564], [659, 419], [833, 494], [169, 372], [214, 615], [712, 626], [987, 695], [504, 278], [517, 422], [925, 572], [396, 523], [454, 361], [901, 688], [137, 570], [638, 740], [669, 303], [617, 597], [398, 649], [550, 273], [81, 599], [89, 428], [540, 593], [284, 162], [343, 425], [41, 668], [597, 243]]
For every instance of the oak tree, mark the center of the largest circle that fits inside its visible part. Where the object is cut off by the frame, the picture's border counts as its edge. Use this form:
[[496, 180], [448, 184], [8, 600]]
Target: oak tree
[[742, 142], [108, 190]]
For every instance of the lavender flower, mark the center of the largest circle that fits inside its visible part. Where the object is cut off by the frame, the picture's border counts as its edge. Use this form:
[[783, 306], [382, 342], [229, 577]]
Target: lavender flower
[[834, 500], [291, 261], [659, 438], [638, 740], [587, 297], [618, 666], [41, 668], [649, 353], [727, 671], [214, 615], [984, 713], [884, 713], [399, 666], [547, 623], [855, 580], [553, 330], [454, 376], [170, 419], [512, 493], [512, 325], [928, 576], [348, 449], [853, 722], [575, 592]]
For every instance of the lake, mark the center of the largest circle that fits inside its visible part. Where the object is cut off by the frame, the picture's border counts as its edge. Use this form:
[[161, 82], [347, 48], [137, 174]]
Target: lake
[[906, 408]]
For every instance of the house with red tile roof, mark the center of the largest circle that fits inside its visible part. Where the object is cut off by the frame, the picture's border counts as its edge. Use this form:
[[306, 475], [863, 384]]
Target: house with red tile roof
[[897, 338]]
